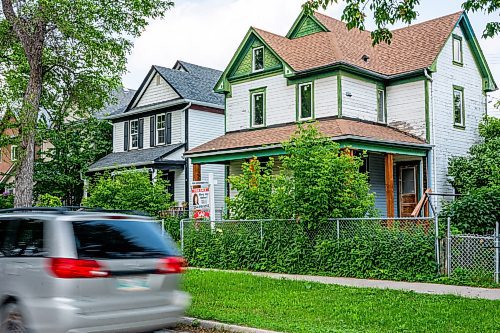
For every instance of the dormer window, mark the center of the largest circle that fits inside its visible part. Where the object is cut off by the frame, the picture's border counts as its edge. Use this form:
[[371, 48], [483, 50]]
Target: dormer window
[[134, 134], [258, 59], [457, 50]]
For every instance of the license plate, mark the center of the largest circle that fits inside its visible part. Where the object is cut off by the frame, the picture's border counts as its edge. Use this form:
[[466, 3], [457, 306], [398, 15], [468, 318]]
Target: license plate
[[136, 283]]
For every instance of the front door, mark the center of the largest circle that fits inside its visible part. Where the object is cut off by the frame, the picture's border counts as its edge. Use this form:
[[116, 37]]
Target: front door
[[408, 189]]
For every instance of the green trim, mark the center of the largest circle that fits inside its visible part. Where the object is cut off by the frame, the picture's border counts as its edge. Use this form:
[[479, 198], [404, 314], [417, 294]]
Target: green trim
[[459, 38], [256, 76], [382, 148], [223, 157], [382, 89], [297, 104], [223, 85], [405, 81], [461, 89], [312, 77], [299, 21], [261, 90], [427, 112], [225, 113], [339, 94]]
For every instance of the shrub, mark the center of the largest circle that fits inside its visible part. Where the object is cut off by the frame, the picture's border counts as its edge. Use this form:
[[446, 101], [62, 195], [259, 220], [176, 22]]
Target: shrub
[[6, 201], [129, 190], [48, 200]]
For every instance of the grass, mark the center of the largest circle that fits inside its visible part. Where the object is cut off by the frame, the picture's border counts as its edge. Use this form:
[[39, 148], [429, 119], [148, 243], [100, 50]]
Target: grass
[[297, 306]]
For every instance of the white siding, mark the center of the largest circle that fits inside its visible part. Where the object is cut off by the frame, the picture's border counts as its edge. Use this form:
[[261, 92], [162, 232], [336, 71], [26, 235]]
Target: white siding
[[118, 134], [156, 93], [363, 102], [234, 169], [280, 103], [325, 97], [406, 107], [179, 186], [203, 127], [178, 129], [448, 140]]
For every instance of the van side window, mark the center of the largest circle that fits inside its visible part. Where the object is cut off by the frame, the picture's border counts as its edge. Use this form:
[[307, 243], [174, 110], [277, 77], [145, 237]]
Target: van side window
[[24, 239]]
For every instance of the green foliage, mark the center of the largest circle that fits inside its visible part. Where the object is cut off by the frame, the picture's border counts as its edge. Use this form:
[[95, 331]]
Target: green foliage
[[48, 200], [477, 177], [307, 307], [129, 190], [364, 250], [6, 201], [73, 147], [389, 12], [316, 182]]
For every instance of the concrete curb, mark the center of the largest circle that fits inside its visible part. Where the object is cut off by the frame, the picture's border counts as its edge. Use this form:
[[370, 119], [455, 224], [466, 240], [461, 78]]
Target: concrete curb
[[210, 324]]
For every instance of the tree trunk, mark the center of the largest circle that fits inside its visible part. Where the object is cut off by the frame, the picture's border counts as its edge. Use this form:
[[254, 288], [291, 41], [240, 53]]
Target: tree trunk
[[28, 118]]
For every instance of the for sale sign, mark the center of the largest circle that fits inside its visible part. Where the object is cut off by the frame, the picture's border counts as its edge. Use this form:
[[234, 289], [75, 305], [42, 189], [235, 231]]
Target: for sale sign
[[200, 202]]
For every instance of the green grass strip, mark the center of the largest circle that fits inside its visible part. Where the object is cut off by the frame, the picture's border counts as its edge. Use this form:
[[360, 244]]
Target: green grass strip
[[297, 306]]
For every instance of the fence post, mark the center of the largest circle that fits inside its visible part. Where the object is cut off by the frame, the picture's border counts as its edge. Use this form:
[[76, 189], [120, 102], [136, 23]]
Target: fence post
[[448, 246], [182, 234], [497, 252], [338, 229], [438, 254]]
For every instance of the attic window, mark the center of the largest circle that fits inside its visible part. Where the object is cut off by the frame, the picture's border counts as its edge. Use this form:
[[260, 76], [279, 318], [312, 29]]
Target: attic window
[[158, 80], [457, 50], [258, 59]]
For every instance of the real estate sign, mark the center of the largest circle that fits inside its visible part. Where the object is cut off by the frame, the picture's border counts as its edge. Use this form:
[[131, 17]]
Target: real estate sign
[[200, 202]]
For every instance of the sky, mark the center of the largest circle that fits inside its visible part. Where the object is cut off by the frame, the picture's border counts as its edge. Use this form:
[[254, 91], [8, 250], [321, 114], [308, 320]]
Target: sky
[[208, 32]]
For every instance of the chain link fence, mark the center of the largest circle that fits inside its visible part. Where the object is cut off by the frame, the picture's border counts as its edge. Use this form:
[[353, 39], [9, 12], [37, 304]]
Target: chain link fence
[[476, 257], [401, 248]]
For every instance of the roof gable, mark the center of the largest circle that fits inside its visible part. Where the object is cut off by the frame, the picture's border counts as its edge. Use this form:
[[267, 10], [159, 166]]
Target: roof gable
[[243, 67], [305, 25], [157, 90]]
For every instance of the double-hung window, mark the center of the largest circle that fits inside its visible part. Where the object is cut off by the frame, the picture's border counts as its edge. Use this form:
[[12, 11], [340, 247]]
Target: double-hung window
[[258, 59], [305, 102], [381, 106], [134, 134], [458, 107], [160, 129], [457, 50], [258, 108]]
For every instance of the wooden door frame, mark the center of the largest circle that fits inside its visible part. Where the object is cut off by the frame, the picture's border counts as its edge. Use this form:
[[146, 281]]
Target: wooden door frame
[[418, 179]]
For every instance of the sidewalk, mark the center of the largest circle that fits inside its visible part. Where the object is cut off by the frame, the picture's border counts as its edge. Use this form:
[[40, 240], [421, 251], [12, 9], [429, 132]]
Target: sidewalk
[[418, 287]]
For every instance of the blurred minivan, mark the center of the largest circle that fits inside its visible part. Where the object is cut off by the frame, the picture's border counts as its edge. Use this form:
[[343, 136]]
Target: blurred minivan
[[65, 271]]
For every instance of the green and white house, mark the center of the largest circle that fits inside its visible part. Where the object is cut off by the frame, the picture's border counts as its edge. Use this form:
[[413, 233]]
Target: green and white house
[[411, 104]]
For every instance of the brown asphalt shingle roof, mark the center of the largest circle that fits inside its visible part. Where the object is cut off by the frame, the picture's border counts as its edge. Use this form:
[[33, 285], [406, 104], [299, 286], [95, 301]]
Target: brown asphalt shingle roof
[[412, 48], [330, 127]]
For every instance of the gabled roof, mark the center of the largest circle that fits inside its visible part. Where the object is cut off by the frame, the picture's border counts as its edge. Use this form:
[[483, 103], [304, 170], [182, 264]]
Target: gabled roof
[[122, 99], [196, 83], [191, 82], [333, 128], [412, 48], [134, 158]]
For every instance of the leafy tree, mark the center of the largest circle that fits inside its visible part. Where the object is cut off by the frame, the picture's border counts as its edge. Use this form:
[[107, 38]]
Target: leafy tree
[[477, 177], [317, 181], [388, 12], [48, 200], [129, 190], [73, 147], [47, 46]]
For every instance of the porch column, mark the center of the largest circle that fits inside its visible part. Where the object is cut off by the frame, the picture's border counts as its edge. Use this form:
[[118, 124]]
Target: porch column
[[389, 184], [197, 172]]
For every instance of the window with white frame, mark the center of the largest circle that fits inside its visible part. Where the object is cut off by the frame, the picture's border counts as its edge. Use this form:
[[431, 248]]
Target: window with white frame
[[13, 153], [134, 134], [305, 101], [381, 106], [258, 59], [258, 100], [160, 129], [458, 106], [457, 50]]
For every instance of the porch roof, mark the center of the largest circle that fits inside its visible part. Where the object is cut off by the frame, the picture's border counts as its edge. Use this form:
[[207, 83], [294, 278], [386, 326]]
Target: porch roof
[[377, 137], [136, 158]]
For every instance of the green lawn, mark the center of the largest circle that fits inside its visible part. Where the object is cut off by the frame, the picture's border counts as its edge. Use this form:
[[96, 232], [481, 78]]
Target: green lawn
[[293, 306]]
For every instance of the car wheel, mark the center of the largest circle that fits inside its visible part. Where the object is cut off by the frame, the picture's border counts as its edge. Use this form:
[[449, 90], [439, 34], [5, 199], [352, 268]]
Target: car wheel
[[12, 319]]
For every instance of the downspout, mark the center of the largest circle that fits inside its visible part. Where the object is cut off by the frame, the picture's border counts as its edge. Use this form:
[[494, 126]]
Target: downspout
[[186, 148], [432, 172]]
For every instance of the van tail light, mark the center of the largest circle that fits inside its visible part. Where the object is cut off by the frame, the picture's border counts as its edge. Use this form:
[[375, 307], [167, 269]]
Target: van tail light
[[76, 268], [171, 265]]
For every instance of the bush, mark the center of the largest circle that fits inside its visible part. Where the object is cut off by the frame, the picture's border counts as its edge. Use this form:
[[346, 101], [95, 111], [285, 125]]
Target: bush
[[48, 200], [129, 190], [6, 201], [365, 251]]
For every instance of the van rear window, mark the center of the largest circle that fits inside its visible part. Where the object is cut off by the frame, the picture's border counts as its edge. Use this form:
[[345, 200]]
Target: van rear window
[[121, 239]]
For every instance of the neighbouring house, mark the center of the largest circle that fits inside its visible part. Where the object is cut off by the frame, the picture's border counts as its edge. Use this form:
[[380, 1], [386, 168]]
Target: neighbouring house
[[411, 104], [174, 110]]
